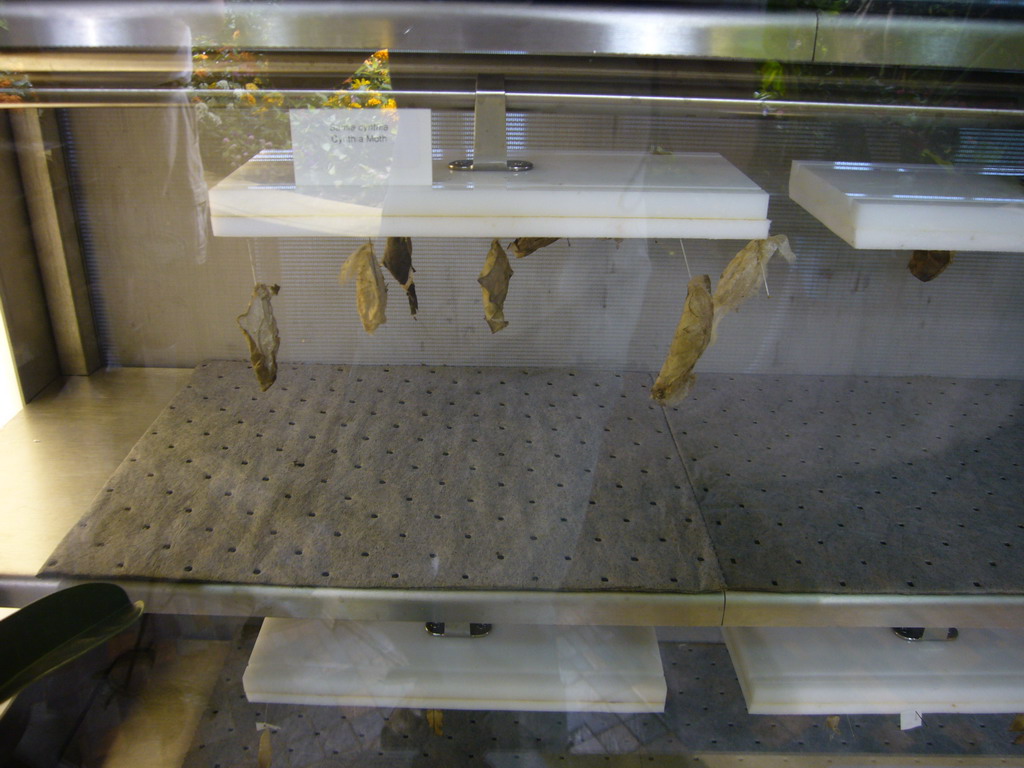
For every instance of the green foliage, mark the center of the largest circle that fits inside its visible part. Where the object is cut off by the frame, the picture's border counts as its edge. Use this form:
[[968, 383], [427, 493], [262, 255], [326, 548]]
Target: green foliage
[[773, 82], [240, 113], [15, 87]]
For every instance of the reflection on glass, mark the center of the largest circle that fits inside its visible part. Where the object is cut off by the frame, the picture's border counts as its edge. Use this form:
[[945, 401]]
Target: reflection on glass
[[241, 113], [854, 433], [14, 86]]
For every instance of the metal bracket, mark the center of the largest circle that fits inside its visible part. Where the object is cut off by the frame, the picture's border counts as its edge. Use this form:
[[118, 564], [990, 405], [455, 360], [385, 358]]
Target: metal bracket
[[914, 634], [490, 150], [457, 629]]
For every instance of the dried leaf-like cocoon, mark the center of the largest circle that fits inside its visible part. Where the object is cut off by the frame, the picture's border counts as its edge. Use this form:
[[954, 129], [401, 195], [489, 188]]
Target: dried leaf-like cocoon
[[927, 265], [435, 719], [371, 295], [832, 723], [398, 260], [493, 280], [524, 246], [743, 276], [260, 329], [693, 334]]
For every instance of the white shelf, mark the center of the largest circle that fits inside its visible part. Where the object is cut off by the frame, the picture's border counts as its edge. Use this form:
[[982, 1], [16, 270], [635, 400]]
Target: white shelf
[[912, 207], [567, 194], [846, 670], [397, 664]]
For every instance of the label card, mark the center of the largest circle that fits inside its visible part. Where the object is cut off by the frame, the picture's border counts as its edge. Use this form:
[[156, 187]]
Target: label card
[[361, 147]]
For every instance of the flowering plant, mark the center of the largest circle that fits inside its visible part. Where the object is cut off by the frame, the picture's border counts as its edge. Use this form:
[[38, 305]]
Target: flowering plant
[[368, 87], [240, 114], [14, 86]]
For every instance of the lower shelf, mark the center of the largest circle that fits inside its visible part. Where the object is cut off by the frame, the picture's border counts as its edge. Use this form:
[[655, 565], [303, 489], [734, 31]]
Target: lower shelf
[[832, 671], [705, 722], [397, 664]]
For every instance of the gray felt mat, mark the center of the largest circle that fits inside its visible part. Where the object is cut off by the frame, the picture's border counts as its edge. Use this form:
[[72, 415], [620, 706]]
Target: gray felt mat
[[860, 485], [402, 477]]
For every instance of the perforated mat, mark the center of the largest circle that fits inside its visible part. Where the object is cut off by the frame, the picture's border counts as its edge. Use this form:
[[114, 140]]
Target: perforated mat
[[402, 477], [864, 485]]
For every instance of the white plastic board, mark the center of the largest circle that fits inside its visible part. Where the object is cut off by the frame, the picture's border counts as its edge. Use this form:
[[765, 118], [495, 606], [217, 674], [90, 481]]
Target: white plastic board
[[567, 194], [912, 207], [858, 670], [398, 664]]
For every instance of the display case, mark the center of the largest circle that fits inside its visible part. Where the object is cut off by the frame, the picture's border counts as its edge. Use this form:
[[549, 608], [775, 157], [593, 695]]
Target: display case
[[482, 383]]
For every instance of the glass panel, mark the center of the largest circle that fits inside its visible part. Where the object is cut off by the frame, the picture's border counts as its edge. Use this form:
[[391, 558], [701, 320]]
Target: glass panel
[[636, 448]]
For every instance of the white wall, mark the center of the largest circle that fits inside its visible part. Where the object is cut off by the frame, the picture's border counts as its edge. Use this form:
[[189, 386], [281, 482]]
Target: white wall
[[10, 390]]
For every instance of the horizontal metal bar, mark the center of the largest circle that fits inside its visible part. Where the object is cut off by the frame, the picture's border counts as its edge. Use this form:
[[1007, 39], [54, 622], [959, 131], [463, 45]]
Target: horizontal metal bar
[[564, 103], [534, 29], [919, 42], [560, 608], [731, 608], [749, 609], [166, 64], [665, 105], [451, 27]]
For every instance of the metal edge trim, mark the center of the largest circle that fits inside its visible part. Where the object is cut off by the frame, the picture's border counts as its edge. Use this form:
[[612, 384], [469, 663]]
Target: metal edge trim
[[564, 103], [821, 610], [623, 609], [707, 609]]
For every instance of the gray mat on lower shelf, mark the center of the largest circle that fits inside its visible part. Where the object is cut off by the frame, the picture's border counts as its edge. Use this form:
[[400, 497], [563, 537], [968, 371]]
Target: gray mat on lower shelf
[[859, 485], [705, 716], [402, 477]]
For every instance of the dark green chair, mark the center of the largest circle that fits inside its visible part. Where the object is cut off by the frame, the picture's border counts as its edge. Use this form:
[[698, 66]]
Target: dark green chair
[[51, 632]]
